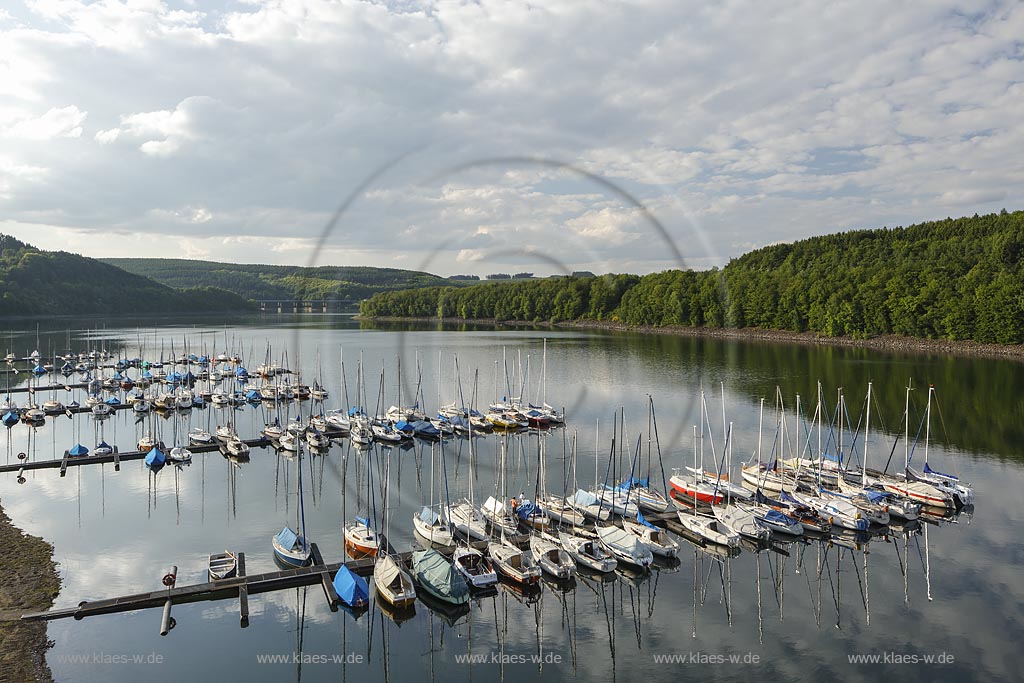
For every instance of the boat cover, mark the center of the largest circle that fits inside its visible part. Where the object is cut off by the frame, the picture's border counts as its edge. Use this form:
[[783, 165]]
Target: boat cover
[[364, 521], [10, 419], [288, 538], [633, 482], [352, 588], [385, 570], [776, 517], [436, 572], [78, 450], [155, 457], [526, 509], [429, 516], [641, 520], [584, 498]]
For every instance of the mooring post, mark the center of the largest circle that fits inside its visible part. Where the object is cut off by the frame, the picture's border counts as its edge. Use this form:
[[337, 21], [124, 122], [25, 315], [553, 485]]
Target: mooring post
[[21, 476], [243, 592], [166, 622]]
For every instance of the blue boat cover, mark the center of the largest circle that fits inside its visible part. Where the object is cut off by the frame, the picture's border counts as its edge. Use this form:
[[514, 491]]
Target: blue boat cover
[[241, 372], [113, 401], [403, 426], [78, 450], [779, 518], [633, 482], [287, 538], [39, 370], [352, 588], [364, 521], [10, 419], [640, 518], [877, 496], [424, 427], [252, 395], [355, 410], [155, 457], [103, 445], [527, 508]]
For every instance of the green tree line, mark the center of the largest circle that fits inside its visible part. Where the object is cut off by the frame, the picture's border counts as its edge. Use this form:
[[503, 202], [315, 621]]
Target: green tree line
[[34, 282], [957, 279], [265, 282]]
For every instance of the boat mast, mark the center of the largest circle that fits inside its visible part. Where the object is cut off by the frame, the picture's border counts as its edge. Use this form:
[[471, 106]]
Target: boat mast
[[906, 429], [867, 435], [928, 422]]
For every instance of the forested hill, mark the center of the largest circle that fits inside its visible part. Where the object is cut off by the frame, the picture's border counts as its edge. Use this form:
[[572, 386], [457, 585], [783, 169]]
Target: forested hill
[[958, 279], [256, 282], [34, 282]]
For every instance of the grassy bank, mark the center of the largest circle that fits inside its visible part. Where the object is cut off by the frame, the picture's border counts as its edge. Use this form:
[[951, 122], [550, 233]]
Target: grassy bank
[[28, 583]]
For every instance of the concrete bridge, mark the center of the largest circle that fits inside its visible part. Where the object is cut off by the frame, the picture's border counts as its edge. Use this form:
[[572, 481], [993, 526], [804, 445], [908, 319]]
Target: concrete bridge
[[305, 306]]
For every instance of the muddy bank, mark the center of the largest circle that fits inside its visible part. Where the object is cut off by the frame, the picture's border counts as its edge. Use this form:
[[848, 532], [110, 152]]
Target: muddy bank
[[882, 343], [28, 583]]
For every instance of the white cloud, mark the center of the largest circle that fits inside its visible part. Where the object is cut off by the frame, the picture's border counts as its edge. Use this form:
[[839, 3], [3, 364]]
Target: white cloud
[[105, 137], [734, 124], [64, 122], [469, 255]]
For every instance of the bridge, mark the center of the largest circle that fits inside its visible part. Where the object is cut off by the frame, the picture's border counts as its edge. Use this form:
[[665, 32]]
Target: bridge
[[306, 306]]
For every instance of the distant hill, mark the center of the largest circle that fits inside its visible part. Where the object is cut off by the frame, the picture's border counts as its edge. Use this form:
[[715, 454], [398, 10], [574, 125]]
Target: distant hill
[[35, 282], [264, 282], [955, 279]]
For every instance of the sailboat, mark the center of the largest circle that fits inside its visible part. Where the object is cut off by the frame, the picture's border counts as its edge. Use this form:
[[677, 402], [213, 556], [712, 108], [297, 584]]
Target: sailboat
[[587, 552], [515, 564], [361, 539], [394, 585], [438, 578], [625, 547], [428, 523], [290, 547], [552, 558]]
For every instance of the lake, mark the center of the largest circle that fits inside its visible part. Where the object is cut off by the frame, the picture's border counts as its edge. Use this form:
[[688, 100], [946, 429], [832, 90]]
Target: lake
[[947, 592]]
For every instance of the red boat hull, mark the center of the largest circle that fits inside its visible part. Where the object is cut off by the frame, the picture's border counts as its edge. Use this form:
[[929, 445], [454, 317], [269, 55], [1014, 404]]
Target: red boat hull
[[683, 491]]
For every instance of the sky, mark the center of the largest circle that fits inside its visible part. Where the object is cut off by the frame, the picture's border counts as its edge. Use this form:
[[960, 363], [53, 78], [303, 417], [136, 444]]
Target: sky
[[483, 137]]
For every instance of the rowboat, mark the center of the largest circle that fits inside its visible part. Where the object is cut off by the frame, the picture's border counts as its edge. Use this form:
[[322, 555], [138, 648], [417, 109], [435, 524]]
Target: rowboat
[[222, 565]]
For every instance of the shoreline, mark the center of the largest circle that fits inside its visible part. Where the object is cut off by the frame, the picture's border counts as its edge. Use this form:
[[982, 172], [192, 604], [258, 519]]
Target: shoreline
[[889, 342], [29, 582]]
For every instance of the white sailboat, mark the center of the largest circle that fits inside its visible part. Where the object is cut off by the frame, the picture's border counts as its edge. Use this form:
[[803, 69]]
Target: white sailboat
[[292, 547]]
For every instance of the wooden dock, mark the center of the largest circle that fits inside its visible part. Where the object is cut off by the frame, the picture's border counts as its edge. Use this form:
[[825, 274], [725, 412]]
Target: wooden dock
[[241, 586], [64, 462]]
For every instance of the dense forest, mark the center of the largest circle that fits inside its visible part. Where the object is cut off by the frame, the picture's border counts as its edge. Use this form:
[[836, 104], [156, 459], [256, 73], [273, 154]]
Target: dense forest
[[34, 282], [958, 279], [263, 282]]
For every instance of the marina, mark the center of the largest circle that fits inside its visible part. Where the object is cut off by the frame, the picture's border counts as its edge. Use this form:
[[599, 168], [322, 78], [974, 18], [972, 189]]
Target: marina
[[634, 442]]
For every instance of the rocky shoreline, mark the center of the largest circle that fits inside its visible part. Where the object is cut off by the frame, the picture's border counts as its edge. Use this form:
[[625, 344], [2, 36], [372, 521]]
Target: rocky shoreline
[[889, 342], [29, 582]]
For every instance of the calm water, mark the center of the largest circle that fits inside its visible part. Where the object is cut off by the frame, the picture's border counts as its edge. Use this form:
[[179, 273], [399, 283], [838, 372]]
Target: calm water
[[950, 590]]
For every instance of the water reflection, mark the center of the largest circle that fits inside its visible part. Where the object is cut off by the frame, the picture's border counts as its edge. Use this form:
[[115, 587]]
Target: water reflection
[[115, 532]]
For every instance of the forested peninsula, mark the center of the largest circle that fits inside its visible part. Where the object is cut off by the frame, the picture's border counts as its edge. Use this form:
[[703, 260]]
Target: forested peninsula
[[955, 279]]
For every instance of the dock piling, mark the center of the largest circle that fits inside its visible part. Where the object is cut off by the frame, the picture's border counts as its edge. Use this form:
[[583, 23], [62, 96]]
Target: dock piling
[[243, 593]]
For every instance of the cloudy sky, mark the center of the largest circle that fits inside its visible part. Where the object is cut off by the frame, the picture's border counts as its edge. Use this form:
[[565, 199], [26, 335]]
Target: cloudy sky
[[475, 137]]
